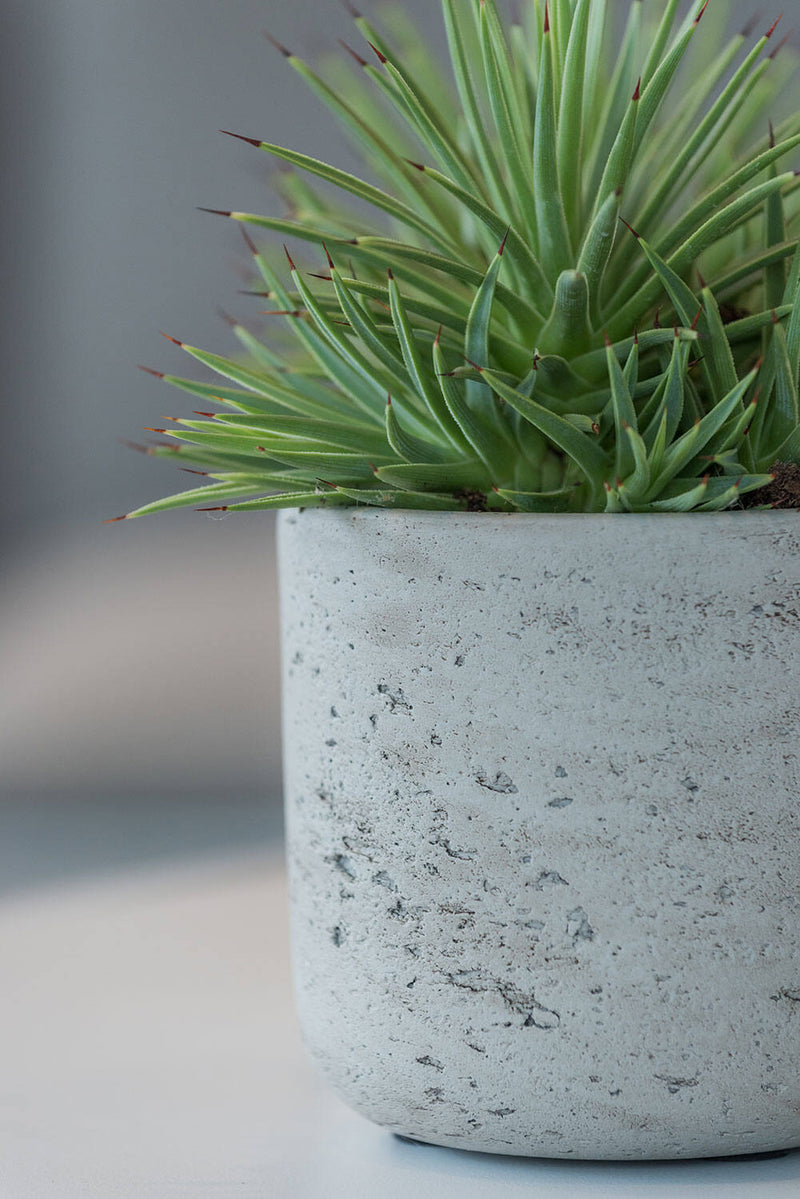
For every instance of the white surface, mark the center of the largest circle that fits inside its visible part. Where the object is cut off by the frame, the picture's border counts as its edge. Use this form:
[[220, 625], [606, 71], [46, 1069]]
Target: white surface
[[149, 1051]]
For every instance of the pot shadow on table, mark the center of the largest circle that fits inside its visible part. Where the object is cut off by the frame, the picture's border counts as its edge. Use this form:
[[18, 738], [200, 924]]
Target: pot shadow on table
[[637, 1179]]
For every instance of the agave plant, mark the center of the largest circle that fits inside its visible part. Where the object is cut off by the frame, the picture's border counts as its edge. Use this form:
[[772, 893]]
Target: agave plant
[[570, 284]]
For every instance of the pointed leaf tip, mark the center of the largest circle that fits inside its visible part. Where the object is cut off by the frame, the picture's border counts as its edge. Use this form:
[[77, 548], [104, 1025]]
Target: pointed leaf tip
[[216, 211], [292, 266], [362, 62], [113, 520], [174, 340], [638, 236], [546, 18], [381, 57], [773, 27], [637, 95], [390, 272], [251, 245], [699, 16], [278, 45], [328, 256], [438, 336], [503, 242], [251, 141], [606, 339], [149, 371], [784, 41], [221, 508], [420, 166]]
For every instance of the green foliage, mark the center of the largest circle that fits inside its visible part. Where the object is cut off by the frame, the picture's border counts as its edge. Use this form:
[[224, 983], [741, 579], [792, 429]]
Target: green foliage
[[487, 333]]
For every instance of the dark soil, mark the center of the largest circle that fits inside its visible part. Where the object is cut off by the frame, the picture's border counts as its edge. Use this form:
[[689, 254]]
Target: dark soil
[[730, 313], [783, 492], [473, 501]]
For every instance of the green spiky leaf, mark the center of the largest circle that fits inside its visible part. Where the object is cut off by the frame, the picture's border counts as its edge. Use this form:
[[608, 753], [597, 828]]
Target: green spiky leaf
[[578, 368]]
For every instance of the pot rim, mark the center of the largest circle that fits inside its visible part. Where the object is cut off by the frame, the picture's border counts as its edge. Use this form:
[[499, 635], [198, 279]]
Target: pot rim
[[732, 517]]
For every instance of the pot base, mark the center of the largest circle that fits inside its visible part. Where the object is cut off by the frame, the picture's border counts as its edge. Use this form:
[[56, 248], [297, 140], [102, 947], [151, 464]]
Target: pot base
[[737, 1157]]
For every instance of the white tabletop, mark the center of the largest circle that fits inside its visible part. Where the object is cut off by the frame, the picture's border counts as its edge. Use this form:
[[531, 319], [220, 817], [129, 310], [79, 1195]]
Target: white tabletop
[[150, 1051]]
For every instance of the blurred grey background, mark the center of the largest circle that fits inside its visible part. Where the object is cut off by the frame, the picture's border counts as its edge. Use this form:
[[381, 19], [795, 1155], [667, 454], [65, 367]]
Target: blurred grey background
[[138, 662]]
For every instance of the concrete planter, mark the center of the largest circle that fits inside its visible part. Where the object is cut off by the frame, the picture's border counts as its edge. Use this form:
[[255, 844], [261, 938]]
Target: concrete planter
[[543, 785]]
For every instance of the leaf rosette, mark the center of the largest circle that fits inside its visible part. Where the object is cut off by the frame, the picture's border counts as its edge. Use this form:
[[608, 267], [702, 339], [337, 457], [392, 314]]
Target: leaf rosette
[[569, 283]]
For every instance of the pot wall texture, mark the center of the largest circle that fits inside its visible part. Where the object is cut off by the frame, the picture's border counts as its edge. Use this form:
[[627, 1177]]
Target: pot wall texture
[[544, 825]]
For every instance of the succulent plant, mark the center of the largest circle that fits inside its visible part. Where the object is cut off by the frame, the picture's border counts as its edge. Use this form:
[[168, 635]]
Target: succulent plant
[[571, 285]]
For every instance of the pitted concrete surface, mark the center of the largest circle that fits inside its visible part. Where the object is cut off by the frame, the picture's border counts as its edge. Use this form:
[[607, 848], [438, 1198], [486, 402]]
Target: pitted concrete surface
[[544, 825]]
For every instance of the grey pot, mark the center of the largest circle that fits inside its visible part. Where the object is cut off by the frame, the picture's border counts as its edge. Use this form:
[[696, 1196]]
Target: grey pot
[[544, 825]]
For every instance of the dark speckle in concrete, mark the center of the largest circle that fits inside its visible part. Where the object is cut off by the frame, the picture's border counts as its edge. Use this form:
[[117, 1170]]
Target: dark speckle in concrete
[[674, 1085], [500, 783], [341, 862], [550, 878], [790, 993], [578, 926], [427, 1060], [395, 697]]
